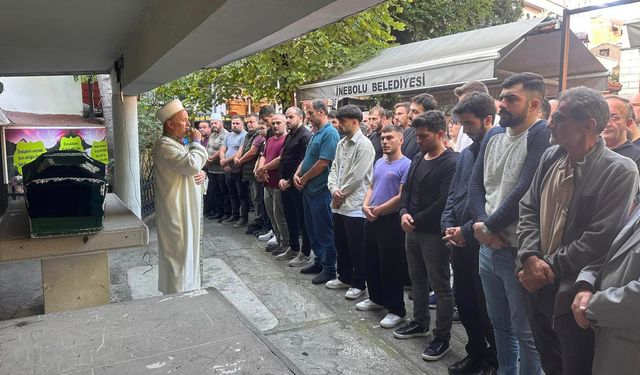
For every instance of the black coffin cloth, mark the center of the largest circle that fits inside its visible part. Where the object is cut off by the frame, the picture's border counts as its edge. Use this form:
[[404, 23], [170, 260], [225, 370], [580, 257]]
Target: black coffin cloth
[[64, 193]]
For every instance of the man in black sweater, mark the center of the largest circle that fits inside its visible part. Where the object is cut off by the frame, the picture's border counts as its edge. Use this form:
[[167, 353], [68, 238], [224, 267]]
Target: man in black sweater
[[422, 201], [476, 111]]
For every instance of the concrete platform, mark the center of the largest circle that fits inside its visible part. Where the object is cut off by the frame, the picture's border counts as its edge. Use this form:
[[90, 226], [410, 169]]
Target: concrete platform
[[192, 333]]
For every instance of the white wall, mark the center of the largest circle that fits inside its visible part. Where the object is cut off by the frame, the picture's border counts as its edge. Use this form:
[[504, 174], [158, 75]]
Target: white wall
[[630, 71], [42, 95]]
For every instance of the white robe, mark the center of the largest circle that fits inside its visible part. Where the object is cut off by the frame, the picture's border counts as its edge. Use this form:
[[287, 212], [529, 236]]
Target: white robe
[[178, 204]]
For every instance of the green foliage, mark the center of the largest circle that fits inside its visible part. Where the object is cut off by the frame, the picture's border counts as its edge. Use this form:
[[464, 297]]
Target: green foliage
[[505, 11], [149, 129], [435, 18]]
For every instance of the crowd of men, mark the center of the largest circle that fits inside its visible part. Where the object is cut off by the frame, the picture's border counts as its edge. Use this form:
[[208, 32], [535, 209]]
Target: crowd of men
[[535, 213]]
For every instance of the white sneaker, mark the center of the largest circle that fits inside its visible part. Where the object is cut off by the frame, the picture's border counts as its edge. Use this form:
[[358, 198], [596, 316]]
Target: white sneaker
[[336, 284], [368, 305], [272, 242], [353, 293], [299, 261], [391, 320], [266, 236], [288, 254]]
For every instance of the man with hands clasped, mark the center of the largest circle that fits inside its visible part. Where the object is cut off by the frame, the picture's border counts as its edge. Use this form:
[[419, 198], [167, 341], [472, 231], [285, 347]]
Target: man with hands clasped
[[384, 258], [475, 112], [577, 203]]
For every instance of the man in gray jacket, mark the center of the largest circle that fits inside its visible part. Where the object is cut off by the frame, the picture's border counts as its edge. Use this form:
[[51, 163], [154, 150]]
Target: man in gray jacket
[[578, 200], [608, 300]]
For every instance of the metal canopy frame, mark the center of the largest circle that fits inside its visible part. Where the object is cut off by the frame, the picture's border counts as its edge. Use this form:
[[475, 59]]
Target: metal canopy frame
[[566, 32]]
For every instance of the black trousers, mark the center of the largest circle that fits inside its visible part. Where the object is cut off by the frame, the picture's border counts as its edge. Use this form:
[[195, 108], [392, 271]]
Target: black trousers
[[238, 195], [348, 236], [564, 347], [217, 198], [385, 262], [294, 216], [469, 296]]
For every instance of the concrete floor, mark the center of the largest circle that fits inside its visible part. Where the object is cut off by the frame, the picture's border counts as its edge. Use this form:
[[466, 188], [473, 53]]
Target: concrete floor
[[315, 328]]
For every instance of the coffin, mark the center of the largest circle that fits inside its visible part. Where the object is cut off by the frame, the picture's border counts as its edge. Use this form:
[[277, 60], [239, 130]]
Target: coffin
[[64, 193]]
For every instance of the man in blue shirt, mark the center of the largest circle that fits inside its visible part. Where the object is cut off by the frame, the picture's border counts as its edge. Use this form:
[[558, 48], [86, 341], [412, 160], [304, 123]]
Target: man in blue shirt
[[311, 178]]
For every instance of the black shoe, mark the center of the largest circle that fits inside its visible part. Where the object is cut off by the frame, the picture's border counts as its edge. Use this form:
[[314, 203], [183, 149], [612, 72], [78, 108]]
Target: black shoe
[[467, 365], [310, 270], [437, 349], [223, 218], [216, 216], [411, 329], [488, 369], [323, 277], [251, 229]]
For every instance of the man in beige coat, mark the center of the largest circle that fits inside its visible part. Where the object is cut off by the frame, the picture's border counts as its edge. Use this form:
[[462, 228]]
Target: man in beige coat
[[177, 181], [608, 301]]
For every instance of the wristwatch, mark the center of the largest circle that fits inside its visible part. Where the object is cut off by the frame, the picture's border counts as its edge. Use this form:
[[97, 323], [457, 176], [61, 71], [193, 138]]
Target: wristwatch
[[484, 229]]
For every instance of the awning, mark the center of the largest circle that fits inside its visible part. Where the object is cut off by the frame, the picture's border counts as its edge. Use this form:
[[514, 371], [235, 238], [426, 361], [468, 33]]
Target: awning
[[633, 30], [489, 54]]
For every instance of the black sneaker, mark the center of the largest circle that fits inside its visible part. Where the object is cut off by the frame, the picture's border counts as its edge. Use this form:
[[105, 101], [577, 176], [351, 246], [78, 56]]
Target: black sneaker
[[223, 218], [411, 329], [323, 277], [311, 269], [437, 349], [470, 364], [251, 229]]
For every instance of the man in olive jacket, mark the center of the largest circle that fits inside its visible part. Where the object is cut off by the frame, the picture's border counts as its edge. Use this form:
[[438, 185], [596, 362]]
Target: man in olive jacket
[[577, 203]]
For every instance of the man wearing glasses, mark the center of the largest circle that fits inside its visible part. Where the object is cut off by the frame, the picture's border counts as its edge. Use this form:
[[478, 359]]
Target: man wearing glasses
[[577, 203]]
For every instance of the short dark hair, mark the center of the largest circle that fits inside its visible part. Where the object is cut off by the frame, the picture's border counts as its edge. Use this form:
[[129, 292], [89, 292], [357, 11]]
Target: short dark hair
[[432, 120], [393, 128], [479, 104], [427, 101], [318, 105], [545, 109], [332, 114], [196, 124], [531, 82], [627, 106], [266, 110], [299, 111], [405, 105], [388, 114], [254, 115], [237, 117], [349, 111], [471, 86], [583, 103]]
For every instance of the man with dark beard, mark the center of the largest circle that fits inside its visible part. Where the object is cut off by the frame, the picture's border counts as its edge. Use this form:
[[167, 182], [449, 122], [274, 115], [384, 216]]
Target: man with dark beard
[[475, 112], [502, 174]]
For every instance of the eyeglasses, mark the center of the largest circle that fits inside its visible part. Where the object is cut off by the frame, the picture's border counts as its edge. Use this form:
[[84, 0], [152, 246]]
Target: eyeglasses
[[558, 118]]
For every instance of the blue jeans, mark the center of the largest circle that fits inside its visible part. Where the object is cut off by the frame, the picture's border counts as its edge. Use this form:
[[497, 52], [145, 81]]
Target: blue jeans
[[317, 219], [506, 309]]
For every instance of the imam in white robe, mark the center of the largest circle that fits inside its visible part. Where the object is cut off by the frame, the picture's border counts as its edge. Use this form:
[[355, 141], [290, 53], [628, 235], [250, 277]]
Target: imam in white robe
[[178, 205]]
